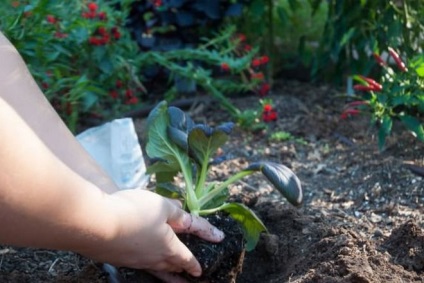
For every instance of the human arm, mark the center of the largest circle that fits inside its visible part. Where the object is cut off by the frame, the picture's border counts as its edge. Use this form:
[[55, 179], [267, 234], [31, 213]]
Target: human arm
[[45, 204], [20, 91]]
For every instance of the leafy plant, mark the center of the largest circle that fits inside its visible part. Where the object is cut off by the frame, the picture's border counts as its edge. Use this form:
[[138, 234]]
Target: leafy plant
[[79, 55], [177, 145], [354, 29], [399, 95]]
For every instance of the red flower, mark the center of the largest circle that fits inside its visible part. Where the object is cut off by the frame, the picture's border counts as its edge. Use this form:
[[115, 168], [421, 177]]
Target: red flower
[[92, 6], [45, 85], [257, 76], [269, 114], [89, 15], [132, 100], [115, 32], [225, 67], [247, 47], [264, 60], [129, 93], [264, 89], [102, 31], [256, 62], [59, 34], [51, 19], [157, 3], [102, 16], [114, 94], [241, 37], [267, 107]]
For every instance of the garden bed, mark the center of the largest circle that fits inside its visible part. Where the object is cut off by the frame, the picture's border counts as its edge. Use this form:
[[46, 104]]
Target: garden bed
[[361, 221]]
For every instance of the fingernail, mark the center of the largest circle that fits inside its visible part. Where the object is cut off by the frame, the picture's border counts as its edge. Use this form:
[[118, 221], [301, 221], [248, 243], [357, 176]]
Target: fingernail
[[197, 273], [219, 234]]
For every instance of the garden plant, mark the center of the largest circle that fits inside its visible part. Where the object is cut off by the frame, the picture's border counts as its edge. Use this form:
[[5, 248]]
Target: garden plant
[[397, 96], [177, 145]]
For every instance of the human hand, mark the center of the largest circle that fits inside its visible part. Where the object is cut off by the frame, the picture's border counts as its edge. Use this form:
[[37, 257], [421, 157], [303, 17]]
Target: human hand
[[144, 234]]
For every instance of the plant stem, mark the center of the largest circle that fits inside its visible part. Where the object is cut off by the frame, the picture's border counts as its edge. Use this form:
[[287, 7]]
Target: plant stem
[[200, 186], [218, 189], [192, 201]]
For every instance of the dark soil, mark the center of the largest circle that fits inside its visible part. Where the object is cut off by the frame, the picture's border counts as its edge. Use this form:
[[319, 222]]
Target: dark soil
[[362, 217], [221, 263]]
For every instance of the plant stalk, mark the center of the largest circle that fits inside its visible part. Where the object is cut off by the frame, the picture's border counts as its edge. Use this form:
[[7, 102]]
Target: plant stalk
[[218, 189]]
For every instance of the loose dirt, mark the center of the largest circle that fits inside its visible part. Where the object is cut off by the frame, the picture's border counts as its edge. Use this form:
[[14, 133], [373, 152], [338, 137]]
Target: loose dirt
[[362, 216]]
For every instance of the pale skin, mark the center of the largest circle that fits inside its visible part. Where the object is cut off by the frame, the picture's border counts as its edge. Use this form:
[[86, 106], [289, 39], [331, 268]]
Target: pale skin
[[53, 195]]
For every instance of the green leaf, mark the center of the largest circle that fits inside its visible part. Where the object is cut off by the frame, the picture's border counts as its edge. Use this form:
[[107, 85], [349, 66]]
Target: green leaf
[[384, 130], [282, 178], [158, 145], [251, 224], [178, 128], [169, 190], [413, 125], [203, 140]]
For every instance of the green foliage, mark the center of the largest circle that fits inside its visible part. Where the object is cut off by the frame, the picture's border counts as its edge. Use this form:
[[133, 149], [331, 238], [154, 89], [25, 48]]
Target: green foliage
[[399, 96], [355, 29], [287, 30], [78, 56], [177, 145], [89, 67]]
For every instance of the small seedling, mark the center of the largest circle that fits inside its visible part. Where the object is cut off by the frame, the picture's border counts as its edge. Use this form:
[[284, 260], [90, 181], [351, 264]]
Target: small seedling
[[177, 145]]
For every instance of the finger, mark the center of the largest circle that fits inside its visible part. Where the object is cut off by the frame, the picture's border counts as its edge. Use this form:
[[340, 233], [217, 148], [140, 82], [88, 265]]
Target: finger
[[176, 203], [181, 256], [167, 277], [188, 223]]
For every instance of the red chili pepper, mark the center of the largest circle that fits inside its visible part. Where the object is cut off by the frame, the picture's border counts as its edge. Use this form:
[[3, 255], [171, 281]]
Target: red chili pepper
[[354, 104], [398, 60], [371, 82], [366, 88], [349, 112], [379, 60]]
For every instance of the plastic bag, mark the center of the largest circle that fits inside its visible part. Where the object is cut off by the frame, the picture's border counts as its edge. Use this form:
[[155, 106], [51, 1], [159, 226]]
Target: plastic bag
[[116, 148]]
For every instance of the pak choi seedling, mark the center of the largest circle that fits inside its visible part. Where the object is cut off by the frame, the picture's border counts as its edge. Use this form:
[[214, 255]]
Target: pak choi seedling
[[177, 145]]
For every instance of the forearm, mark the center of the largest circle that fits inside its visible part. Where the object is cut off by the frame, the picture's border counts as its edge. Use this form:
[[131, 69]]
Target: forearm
[[43, 203], [19, 90]]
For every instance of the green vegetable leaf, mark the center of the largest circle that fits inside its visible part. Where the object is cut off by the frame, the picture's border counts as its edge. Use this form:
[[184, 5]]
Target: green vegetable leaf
[[282, 178], [203, 140], [179, 125], [169, 190], [251, 224], [159, 146]]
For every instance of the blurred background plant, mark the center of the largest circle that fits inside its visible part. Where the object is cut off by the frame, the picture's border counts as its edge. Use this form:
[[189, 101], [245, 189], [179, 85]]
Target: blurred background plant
[[398, 95], [98, 60], [93, 63]]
